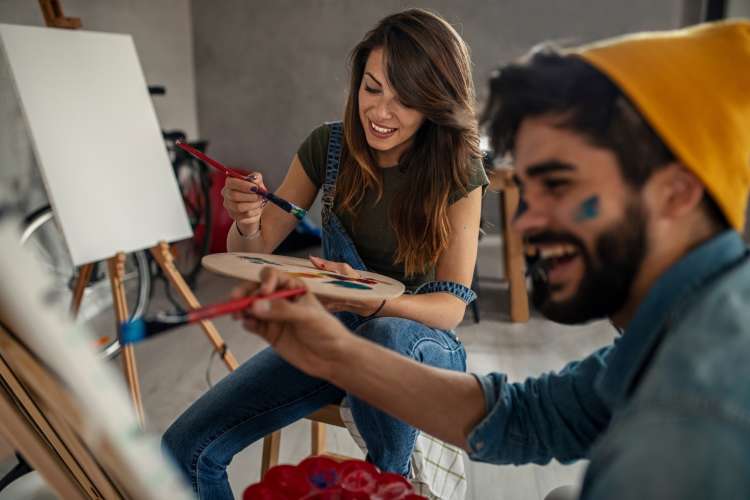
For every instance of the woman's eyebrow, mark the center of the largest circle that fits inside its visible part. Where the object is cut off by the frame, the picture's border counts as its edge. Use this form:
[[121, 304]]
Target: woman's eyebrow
[[371, 76]]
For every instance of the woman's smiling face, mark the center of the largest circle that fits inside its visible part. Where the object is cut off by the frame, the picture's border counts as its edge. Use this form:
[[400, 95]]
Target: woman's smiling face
[[389, 126]]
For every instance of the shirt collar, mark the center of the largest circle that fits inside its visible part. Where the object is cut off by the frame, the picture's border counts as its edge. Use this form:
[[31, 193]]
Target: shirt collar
[[680, 281]]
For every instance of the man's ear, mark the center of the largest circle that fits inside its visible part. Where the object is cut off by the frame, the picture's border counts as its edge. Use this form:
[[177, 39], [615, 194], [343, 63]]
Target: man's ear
[[675, 191]]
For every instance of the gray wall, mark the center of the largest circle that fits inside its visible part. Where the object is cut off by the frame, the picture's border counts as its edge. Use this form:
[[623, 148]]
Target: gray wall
[[738, 8], [267, 72], [163, 38]]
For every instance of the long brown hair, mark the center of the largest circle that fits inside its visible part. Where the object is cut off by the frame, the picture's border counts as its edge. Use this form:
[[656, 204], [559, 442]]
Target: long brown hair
[[428, 65]]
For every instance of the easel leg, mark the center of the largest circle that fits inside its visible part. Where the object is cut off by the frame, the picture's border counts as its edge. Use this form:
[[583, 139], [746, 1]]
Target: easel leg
[[84, 275], [513, 257], [116, 266], [166, 261], [36, 451]]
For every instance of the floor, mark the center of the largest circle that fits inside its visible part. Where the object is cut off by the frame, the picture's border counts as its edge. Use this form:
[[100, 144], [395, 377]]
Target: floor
[[173, 370]]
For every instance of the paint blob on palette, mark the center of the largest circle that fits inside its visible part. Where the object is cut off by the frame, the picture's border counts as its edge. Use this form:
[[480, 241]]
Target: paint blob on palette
[[248, 266], [348, 284]]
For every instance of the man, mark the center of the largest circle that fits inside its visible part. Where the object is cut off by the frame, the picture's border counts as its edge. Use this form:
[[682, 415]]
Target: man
[[633, 157]]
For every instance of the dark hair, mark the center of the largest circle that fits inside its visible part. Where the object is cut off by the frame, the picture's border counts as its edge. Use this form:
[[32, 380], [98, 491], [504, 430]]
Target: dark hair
[[429, 67], [550, 82]]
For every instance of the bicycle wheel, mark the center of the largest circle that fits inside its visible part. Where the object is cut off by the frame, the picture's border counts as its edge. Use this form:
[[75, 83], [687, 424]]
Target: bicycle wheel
[[195, 187], [42, 235]]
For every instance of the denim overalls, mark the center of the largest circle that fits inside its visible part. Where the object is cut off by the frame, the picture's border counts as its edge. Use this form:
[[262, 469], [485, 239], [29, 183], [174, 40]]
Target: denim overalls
[[266, 393]]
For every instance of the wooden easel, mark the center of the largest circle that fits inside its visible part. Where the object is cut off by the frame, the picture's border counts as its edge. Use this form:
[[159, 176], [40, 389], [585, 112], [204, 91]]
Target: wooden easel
[[116, 268], [45, 422], [39, 418], [54, 17]]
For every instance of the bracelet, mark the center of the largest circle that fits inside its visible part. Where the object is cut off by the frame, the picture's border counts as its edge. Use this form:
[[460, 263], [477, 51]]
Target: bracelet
[[380, 308], [249, 236]]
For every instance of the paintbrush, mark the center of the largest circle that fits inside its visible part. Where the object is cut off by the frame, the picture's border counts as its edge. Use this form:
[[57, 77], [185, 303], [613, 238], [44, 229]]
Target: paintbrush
[[141, 328], [283, 204]]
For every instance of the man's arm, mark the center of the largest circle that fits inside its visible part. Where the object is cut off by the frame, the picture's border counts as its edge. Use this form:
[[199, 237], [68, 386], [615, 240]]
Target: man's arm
[[444, 403], [553, 416]]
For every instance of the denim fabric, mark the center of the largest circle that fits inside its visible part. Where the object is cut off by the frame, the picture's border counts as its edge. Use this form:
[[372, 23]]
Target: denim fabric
[[266, 393], [662, 413]]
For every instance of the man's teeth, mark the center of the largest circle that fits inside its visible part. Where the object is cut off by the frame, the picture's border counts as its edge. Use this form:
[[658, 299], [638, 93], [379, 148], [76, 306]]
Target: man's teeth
[[550, 251], [381, 130]]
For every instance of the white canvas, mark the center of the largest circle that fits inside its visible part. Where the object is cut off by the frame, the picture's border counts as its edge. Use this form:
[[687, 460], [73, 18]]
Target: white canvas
[[96, 140]]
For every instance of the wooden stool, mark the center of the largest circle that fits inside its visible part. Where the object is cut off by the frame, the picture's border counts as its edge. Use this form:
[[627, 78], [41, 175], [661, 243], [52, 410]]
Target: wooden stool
[[327, 415], [501, 181]]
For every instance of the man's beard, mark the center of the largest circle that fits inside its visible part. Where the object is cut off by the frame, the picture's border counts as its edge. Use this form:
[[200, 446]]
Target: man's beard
[[607, 279]]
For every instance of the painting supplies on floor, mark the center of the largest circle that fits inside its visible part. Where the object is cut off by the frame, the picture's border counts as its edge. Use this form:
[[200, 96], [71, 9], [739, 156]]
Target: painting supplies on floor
[[142, 328], [283, 204]]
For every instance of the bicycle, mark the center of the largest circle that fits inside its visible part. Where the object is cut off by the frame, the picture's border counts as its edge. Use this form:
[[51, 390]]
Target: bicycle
[[195, 186], [42, 235]]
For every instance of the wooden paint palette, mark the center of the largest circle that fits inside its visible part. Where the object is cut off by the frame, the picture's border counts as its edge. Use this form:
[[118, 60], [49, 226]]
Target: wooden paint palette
[[247, 266]]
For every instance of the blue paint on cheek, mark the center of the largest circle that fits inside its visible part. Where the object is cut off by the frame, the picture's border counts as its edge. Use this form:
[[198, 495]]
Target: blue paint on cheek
[[588, 210], [522, 208]]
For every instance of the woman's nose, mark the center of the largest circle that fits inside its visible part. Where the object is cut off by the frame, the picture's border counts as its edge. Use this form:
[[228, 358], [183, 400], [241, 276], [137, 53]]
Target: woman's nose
[[383, 109]]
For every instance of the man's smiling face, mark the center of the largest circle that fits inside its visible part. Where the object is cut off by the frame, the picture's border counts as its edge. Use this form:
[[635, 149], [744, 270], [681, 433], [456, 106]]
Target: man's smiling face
[[583, 225]]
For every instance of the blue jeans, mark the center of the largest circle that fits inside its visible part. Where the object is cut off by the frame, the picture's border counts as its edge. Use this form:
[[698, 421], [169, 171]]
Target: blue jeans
[[266, 393]]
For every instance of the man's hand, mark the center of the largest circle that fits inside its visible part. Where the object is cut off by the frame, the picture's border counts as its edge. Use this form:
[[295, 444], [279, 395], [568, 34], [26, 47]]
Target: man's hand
[[299, 329]]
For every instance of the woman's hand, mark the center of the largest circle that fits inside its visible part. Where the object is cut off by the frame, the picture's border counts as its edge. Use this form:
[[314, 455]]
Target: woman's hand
[[341, 268], [361, 307], [299, 329], [242, 204]]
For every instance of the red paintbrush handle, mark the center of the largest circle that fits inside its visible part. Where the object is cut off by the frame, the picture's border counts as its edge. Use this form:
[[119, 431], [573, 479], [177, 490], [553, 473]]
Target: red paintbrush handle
[[210, 161], [212, 311]]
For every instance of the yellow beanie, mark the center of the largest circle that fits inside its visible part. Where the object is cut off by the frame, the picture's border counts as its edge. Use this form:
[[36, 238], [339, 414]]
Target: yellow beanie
[[693, 87]]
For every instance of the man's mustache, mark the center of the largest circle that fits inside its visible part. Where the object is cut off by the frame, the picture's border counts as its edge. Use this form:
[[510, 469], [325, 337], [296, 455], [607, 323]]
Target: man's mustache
[[551, 237]]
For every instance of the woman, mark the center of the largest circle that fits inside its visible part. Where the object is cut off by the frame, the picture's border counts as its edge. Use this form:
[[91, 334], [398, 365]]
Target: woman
[[399, 179]]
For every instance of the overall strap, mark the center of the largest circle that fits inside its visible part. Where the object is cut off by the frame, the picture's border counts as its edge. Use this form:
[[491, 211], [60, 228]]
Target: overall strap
[[333, 160]]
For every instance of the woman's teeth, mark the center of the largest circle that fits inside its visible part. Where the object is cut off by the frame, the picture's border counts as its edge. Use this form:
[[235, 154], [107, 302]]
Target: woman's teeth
[[381, 130]]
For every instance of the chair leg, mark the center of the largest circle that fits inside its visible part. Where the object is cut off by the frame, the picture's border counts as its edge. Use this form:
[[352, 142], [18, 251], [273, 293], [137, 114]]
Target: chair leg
[[514, 260], [271, 445], [318, 438]]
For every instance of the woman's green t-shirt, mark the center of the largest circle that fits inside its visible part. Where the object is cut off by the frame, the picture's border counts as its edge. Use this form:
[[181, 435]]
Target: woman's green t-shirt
[[371, 231]]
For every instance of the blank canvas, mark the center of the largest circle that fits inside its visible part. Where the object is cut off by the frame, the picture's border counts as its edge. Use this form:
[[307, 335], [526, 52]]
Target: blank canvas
[[96, 139]]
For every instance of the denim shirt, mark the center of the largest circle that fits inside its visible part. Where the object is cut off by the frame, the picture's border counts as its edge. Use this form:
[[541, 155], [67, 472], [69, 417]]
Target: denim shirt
[[663, 412]]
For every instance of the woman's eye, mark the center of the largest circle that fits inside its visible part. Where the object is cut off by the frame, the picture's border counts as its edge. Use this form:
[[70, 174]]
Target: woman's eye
[[371, 90]]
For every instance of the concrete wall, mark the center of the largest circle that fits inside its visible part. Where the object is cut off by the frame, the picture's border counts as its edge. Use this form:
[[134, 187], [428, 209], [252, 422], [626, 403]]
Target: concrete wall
[[738, 8], [268, 71], [163, 38]]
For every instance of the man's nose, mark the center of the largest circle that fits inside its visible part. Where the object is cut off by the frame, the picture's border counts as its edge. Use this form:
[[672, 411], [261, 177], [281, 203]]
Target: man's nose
[[528, 218]]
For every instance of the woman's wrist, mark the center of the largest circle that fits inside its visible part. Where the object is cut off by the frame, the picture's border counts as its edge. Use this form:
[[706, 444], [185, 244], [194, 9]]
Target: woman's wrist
[[247, 234], [377, 311]]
